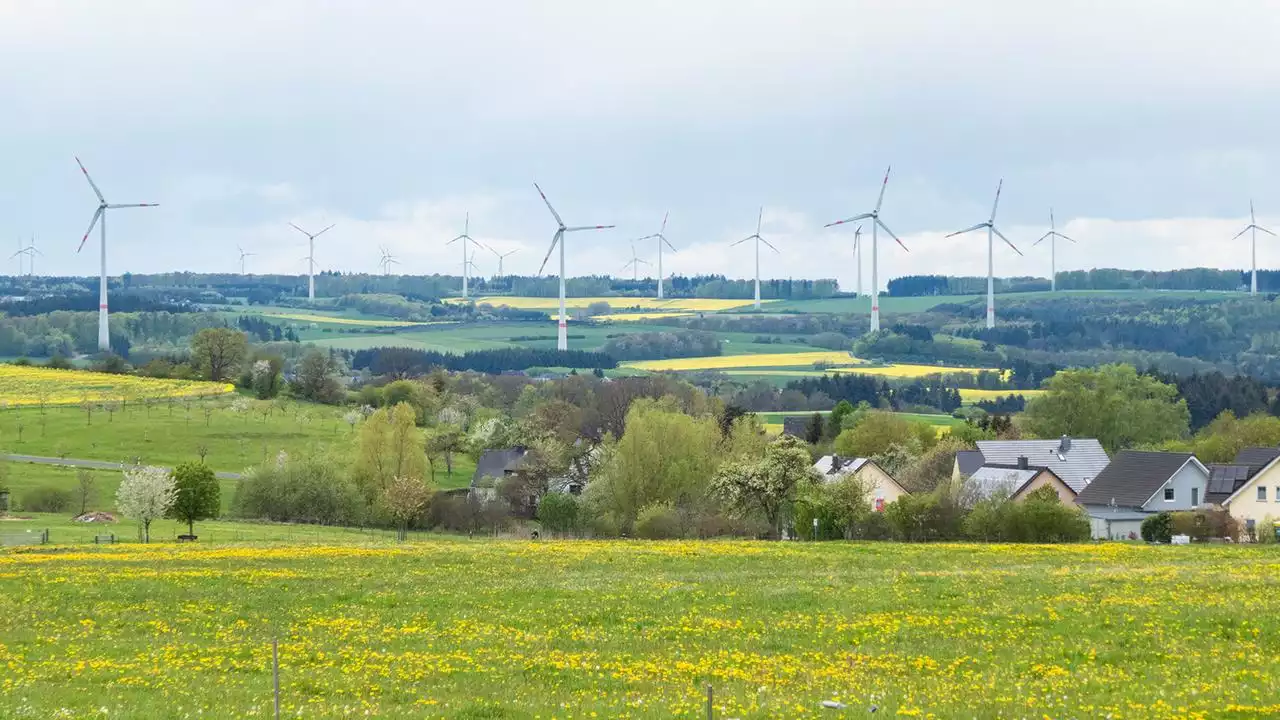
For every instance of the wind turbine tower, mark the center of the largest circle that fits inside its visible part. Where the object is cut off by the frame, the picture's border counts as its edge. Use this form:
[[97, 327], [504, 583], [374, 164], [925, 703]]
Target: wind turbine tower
[[1052, 237], [501, 257], [662, 240], [635, 263], [758, 239], [562, 333], [104, 337], [1253, 229], [992, 231], [311, 258], [243, 255], [876, 222], [467, 265]]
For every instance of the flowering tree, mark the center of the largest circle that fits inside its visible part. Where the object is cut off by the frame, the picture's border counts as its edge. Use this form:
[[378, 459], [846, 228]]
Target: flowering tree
[[769, 484], [145, 494], [405, 499]]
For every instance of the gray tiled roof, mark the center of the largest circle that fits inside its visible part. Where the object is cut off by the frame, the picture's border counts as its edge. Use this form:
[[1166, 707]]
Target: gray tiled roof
[[987, 481], [1258, 456], [1077, 465], [496, 463], [1132, 478], [969, 461]]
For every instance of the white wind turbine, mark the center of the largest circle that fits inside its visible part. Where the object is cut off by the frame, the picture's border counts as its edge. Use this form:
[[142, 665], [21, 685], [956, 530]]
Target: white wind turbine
[[28, 251], [1052, 236], [857, 251], [467, 265], [1253, 229], [311, 258], [243, 255], [104, 337], [501, 257], [635, 263], [876, 222], [758, 239], [990, 225], [662, 240], [562, 333]]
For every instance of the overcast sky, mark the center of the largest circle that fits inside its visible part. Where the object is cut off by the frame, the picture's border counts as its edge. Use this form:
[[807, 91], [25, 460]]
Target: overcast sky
[[1148, 126]]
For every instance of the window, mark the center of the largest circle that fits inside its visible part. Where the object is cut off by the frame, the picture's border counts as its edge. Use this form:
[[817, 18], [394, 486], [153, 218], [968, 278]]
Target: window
[[879, 504], [1195, 498], [1168, 495], [1262, 494]]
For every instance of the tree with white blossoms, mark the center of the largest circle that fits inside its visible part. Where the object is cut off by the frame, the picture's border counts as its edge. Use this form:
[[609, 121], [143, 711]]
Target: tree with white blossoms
[[146, 493], [770, 484]]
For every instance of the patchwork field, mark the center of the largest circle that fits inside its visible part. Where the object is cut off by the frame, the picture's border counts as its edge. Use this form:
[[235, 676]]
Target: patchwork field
[[786, 363], [641, 303], [629, 629], [344, 320], [29, 385], [972, 395]]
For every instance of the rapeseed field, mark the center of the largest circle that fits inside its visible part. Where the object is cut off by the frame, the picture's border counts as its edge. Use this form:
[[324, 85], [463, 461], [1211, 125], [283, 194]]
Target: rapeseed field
[[30, 385]]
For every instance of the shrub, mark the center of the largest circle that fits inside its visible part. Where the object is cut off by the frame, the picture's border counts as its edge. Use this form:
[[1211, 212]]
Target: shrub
[[558, 512], [1158, 528], [605, 525], [46, 500], [1266, 531], [307, 490], [658, 521], [1200, 525], [920, 518]]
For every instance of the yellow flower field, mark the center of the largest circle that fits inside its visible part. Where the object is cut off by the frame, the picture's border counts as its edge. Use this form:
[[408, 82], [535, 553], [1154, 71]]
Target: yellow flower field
[[631, 317], [970, 395], [719, 362], [307, 317], [25, 385], [644, 303]]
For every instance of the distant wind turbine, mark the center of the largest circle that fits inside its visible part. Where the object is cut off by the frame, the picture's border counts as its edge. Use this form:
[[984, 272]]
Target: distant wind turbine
[[562, 333], [758, 239], [387, 260], [22, 252], [876, 222], [465, 237], [990, 225], [1052, 236], [662, 240], [104, 337], [1253, 229], [857, 251], [32, 252], [243, 255], [501, 257], [635, 263], [311, 258]]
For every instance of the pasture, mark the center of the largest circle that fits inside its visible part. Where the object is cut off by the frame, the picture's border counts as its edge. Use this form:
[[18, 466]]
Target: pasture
[[628, 629]]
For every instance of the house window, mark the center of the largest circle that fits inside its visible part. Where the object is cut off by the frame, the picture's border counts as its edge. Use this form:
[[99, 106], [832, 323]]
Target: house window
[[1168, 494], [1195, 497], [879, 504], [1262, 494]]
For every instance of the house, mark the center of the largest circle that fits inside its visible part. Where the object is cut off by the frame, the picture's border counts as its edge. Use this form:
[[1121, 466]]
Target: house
[[1256, 501], [796, 426], [1017, 481], [1226, 478], [495, 466], [1076, 461], [1138, 483], [881, 486]]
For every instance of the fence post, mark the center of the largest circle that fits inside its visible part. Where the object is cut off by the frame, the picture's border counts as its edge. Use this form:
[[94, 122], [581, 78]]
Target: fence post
[[275, 672], [710, 700]]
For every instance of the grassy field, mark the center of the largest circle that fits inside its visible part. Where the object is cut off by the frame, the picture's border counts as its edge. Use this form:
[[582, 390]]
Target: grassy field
[[786, 362], [641, 303], [511, 629], [30, 385], [773, 421]]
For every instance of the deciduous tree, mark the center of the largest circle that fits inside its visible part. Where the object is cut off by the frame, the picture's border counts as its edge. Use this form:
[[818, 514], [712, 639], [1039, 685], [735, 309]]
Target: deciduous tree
[[196, 495], [218, 352], [1112, 403], [146, 493]]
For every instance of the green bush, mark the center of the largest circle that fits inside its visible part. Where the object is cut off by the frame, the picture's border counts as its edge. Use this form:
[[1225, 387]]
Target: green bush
[[604, 525], [1041, 517], [558, 512], [925, 517], [658, 521], [1158, 528], [1201, 525], [46, 500], [313, 489]]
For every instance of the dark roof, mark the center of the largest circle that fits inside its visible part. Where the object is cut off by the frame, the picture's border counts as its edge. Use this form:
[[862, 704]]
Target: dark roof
[[1132, 477], [497, 463], [969, 461], [1225, 479], [1258, 456], [796, 425]]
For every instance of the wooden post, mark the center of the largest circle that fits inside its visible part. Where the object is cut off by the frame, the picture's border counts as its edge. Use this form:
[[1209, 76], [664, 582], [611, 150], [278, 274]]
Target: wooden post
[[275, 672], [710, 700]]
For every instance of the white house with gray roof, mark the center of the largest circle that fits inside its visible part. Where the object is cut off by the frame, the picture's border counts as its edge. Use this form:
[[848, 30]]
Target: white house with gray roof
[[1077, 461]]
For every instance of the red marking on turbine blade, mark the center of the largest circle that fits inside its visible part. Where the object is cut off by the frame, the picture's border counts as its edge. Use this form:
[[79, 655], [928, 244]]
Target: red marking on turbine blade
[[875, 308]]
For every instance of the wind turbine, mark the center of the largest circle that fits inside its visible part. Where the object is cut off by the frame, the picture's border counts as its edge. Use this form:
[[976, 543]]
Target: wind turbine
[[243, 255], [311, 258], [562, 333], [662, 240], [469, 263], [876, 222], [32, 252], [1253, 229], [857, 251], [501, 257], [466, 261], [104, 337], [990, 225], [635, 264], [758, 239], [1052, 236]]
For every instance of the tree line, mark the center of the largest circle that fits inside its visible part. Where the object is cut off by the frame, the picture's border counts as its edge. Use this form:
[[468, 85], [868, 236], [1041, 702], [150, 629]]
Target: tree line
[[401, 362]]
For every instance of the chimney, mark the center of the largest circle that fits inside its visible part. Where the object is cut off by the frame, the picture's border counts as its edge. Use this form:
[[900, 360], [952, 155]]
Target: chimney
[[1022, 462], [835, 463], [1064, 444]]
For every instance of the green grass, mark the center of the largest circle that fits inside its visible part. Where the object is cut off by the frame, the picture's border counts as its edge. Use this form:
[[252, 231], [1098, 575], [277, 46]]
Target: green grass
[[515, 629], [776, 418], [63, 530]]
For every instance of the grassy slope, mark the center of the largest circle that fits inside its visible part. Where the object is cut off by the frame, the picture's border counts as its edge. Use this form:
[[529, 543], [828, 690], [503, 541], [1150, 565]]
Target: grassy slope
[[507, 629]]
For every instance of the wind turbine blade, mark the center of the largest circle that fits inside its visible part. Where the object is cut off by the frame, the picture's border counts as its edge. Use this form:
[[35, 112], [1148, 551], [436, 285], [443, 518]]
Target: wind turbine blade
[[113, 207], [643, 262], [23, 251], [92, 184], [664, 223], [1006, 240], [554, 240], [588, 227], [771, 247], [92, 223], [855, 218], [759, 219], [979, 226], [996, 204], [323, 231], [895, 237], [1265, 230], [295, 227], [33, 249], [668, 242], [1044, 237], [1064, 237], [883, 185], [749, 237], [1242, 232], [553, 210], [646, 237]]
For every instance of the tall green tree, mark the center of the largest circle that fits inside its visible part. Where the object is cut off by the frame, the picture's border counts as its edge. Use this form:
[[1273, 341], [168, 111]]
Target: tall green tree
[[389, 446], [196, 494], [768, 485], [877, 431], [1112, 403], [219, 352]]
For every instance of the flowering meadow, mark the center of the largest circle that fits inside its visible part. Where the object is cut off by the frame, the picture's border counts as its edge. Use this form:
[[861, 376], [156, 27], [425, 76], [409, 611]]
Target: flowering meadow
[[30, 385], [628, 629]]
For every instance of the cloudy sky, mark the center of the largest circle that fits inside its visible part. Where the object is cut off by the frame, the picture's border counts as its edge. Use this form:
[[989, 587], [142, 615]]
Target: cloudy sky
[[1148, 126]]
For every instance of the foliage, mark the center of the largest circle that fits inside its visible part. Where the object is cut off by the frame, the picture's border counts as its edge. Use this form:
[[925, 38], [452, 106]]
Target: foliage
[[876, 432], [45, 500], [316, 378], [662, 345], [405, 499], [933, 467], [1112, 403], [841, 508], [926, 516], [1203, 525], [559, 513], [1157, 528], [219, 352], [770, 484], [389, 446], [1040, 517], [400, 362], [658, 521], [146, 493], [196, 494], [311, 488], [1227, 435]]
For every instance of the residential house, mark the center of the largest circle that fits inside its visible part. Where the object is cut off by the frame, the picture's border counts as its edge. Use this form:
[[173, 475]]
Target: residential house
[[1076, 461], [1139, 483], [1255, 501], [493, 467], [1017, 481], [881, 486], [796, 426]]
